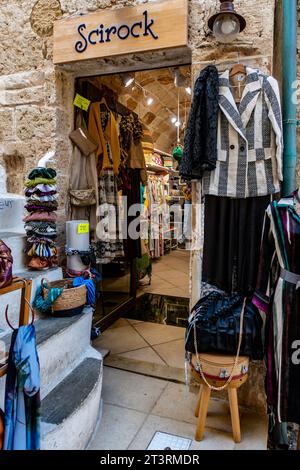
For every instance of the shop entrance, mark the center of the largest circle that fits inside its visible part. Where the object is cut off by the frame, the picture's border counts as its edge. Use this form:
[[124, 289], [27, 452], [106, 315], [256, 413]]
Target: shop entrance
[[149, 110]]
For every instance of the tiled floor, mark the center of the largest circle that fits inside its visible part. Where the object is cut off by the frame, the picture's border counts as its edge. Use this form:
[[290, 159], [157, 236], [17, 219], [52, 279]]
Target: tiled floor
[[170, 275], [143, 385], [154, 346], [135, 407]]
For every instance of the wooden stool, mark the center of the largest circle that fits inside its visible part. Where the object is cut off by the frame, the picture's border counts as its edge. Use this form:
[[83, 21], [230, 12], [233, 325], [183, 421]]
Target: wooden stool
[[212, 366]]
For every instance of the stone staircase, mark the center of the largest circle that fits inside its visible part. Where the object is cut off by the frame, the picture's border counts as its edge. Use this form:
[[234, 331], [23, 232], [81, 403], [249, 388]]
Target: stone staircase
[[71, 380], [71, 370]]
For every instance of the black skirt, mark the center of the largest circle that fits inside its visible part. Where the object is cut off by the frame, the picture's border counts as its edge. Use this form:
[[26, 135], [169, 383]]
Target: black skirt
[[232, 239]]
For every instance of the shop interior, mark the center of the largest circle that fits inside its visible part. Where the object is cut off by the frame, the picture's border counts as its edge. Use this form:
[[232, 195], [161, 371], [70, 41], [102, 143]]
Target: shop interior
[[158, 103]]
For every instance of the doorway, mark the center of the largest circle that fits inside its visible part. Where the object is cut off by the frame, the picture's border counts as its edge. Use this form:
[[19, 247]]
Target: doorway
[[160, 99]]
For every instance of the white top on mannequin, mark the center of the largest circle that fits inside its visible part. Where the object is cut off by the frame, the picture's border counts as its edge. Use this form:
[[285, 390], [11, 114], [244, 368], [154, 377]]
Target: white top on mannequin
[[45, 159]]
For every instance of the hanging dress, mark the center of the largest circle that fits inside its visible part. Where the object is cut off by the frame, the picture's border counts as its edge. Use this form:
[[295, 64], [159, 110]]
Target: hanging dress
[[110, 244], [278, 295]]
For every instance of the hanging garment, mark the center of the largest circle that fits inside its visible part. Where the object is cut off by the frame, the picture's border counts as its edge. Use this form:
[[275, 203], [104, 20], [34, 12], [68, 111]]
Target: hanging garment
[[22, 397], [83, 177], [109, 244], [278, 295], [104, 137], [200, 145], [249, 159], [132, 246], [232, 234], [187, 221]]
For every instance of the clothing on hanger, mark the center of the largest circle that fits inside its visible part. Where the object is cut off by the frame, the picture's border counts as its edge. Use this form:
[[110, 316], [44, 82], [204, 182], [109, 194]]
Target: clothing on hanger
[[278, 295], [249, 143], [104, 136], [200, 143], [232, 234]]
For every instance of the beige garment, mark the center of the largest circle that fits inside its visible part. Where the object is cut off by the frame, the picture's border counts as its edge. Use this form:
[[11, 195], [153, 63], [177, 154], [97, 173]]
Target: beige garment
[[83, 176], [197, 245]]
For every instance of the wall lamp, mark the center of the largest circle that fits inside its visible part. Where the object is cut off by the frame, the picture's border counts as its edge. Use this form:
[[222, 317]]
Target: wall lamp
[[227, 23]]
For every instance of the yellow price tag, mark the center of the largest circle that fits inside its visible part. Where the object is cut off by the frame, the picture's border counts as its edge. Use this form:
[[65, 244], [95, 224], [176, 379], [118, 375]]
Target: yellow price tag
[[83, 228], [81, 102]]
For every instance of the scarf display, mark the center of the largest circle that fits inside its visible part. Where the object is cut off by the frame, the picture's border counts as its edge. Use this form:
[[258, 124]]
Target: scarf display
[[44, 305], [22, 392], [40, 224], [36, 181], [39, 172], [43, 216], [90, 287]]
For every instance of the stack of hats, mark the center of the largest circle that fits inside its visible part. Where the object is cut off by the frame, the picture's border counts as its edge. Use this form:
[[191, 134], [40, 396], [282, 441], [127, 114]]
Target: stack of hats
[[40, 223]]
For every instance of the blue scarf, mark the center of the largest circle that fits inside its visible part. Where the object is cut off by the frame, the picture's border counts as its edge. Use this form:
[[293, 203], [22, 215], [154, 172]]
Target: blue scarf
[[22, 392], [90, 286]]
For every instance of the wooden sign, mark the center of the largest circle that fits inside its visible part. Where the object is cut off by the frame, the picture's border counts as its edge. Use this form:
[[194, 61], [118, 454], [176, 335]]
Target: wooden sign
[[107, 33]]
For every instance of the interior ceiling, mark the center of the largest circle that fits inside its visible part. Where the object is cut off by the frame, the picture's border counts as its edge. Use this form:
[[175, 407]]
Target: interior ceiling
[[160, 85]]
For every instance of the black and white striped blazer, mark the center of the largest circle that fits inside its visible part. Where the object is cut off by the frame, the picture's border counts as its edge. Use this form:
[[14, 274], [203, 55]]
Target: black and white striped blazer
[[249, 161]]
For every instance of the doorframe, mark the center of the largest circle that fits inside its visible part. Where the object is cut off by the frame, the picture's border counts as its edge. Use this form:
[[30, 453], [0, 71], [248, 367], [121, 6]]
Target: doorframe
[[175, 57]]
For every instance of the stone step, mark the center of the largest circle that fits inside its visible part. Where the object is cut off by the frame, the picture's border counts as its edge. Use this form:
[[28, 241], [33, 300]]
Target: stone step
[[71, 410], [16, 242], [61, 344], [12, 212], [13, 299]]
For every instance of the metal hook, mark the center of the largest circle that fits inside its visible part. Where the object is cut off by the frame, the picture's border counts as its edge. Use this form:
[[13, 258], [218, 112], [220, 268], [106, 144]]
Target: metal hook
[[7, 319]]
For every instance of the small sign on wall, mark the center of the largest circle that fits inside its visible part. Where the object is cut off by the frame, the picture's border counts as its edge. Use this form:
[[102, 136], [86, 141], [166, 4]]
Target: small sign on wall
[[106, 33], [83, 228]]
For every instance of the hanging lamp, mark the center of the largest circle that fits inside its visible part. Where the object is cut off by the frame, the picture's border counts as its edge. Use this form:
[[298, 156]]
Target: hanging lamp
[[227, 23]]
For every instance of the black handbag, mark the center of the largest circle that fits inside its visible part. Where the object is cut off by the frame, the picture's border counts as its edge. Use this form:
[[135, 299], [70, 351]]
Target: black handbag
[[216, 320]]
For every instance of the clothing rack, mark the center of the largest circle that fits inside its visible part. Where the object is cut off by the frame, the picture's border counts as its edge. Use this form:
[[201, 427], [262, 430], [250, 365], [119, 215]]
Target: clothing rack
[[94, 94]]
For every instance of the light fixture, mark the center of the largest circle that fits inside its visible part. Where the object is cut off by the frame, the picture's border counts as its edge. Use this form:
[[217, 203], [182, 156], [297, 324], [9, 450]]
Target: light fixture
[[227, 23], [179, 79], [127, 80], [188, 90], [150, 101], [177, 123], [174, 119]]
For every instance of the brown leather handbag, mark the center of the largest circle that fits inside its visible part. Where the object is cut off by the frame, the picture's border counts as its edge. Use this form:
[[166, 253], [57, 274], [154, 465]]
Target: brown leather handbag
[[81, 138], [6, 263], [1, 429]]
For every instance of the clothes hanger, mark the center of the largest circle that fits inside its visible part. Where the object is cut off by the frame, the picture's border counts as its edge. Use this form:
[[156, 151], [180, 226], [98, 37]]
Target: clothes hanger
[[7, 319], [238, 68]]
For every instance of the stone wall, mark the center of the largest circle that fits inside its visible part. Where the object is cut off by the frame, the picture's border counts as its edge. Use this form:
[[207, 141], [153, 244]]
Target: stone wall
[[36, 112]]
